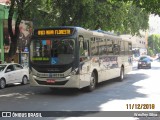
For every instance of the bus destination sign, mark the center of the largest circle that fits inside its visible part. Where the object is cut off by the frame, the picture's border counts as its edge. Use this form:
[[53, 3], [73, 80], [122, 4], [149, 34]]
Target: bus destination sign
[[49, 32]]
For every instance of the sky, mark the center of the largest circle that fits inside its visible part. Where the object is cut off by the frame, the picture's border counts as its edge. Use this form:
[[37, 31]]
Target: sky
[[154, 24]]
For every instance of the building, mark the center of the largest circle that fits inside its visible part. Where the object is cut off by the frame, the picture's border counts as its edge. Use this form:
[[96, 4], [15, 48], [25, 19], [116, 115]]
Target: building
[[3, 16], [139, 43]]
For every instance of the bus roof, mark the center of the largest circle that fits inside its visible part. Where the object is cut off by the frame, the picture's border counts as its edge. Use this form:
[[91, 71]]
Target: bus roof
[[93, 33]]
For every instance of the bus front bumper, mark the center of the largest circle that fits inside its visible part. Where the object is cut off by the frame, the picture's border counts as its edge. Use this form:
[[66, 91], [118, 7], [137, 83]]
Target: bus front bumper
[[66, 82]]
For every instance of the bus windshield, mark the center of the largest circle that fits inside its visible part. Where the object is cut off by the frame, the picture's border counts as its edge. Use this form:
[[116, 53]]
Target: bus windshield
[[52, 51]]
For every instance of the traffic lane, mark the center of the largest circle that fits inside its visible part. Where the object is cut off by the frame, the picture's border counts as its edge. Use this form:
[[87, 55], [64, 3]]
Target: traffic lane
[[147, 85], [106, 92], [25, 97]]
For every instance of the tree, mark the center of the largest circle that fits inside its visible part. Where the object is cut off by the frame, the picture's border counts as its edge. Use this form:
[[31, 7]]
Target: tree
[[95, 14], [154, 44], [14, 32], [16, 10], [109, 15], [151, 6]]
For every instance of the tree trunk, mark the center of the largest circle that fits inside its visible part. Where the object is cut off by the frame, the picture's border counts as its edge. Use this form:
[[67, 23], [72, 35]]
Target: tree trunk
[[10, 31], [14, 33], [13, 49]]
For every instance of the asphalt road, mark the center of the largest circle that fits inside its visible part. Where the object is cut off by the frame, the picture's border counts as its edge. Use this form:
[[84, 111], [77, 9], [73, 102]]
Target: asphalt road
[[139, 87]]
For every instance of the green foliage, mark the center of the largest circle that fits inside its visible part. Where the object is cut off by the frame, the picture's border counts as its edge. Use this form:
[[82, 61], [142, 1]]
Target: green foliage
[[111, 15], [150, 52], [122, 17], [14, 32], [154, 44], [151, 6], [92, 14]]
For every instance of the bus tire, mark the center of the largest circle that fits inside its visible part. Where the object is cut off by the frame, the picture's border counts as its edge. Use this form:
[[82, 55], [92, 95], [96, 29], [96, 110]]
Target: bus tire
[[93, 82], [121, 77]]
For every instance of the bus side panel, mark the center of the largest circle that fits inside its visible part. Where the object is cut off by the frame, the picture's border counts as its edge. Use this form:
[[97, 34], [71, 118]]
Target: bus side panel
[[124, 61], [108, 67], [85, 74], [112, 73], [128, 69], [84, 80]]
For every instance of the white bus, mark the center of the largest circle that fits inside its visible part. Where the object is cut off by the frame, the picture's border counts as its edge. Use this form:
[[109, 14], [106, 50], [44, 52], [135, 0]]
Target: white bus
[[73, 57]]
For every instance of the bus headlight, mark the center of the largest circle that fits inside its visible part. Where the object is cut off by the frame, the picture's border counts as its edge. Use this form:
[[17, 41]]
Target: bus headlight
[[139, 62]]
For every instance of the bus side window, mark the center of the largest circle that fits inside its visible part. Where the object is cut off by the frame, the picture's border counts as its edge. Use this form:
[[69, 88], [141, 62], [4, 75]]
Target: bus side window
[[94, 47], [88, 44], [122, 49], [116, 47], [102, 47], [130, 48], [109, 46], [126, 48], [83, 48]]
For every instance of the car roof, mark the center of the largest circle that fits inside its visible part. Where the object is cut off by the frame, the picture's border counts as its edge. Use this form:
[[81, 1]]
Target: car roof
[[144, 59]]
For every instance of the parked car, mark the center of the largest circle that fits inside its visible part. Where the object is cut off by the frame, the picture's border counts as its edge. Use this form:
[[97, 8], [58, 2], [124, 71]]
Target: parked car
[[13, 73], [144, 62]]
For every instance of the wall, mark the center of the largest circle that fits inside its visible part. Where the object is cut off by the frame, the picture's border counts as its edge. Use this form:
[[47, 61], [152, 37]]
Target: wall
[[3, 15]]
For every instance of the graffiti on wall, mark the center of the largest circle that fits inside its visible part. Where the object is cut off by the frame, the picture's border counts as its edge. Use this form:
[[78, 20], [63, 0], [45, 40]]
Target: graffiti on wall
[[24, 36]]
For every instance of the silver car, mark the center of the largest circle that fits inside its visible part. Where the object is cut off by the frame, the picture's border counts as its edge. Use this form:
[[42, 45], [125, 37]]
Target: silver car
[[13, 73]]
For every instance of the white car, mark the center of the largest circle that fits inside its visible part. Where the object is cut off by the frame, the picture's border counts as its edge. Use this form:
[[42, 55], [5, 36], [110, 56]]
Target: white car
[[13, 73]]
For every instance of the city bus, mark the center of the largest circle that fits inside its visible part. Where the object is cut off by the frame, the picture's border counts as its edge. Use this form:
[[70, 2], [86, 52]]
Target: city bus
[[74, 57]]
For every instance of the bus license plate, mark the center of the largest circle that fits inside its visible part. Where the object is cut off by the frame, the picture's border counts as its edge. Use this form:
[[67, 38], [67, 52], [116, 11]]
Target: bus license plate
[[50, 81]]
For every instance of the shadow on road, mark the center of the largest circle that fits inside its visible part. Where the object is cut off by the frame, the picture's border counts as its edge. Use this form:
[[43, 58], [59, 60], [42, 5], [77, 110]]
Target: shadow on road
[[44, 99]]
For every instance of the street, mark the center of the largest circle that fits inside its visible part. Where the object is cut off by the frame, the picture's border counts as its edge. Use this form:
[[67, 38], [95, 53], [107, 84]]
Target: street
[[139, 87]]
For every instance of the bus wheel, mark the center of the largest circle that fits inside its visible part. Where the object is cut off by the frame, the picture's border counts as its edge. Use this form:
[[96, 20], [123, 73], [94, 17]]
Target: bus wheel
[[92, 85], [121, 77]]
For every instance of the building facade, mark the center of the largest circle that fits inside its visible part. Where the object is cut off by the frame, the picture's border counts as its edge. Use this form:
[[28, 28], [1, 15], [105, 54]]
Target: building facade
[[139, 43]]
